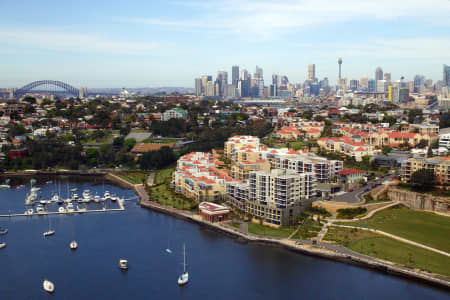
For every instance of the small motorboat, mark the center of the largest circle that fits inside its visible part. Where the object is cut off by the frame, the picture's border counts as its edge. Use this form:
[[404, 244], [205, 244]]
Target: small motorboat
[[49, 233], [73, 245], [97, 198], [61, 210], [55, 198], [5, 186], [2, 245], [168, 250], [123, 264], [40, 209], [107, 195], [29, 212], [73, 190], [70, 207], [48, 286], [4, 231]]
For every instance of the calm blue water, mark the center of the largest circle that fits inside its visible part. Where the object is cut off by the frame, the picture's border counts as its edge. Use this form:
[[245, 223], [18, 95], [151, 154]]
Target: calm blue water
[[219, 267]]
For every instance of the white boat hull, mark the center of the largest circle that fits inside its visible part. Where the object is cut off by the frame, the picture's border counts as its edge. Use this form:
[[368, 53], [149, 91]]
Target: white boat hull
[[48, 286], [49, 233], [2, 245]]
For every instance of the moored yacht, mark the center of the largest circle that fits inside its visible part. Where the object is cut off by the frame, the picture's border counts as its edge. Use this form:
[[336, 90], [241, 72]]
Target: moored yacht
[[73, 245], [48, 286], [123, 264]]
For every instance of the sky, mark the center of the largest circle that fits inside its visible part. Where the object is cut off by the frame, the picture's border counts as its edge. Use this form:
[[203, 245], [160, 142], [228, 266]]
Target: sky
[[152, 43]]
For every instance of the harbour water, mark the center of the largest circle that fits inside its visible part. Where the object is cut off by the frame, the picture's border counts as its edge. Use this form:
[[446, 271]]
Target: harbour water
[[219, 267]]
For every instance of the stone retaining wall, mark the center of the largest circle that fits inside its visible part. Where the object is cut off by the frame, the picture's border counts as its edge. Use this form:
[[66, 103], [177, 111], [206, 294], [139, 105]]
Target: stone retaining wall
[[420, 201]]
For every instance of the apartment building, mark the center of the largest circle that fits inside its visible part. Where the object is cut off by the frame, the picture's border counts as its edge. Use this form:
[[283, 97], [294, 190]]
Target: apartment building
[[424, 128], [439, 165], [238, 142], [347, 146], [277, 197], [175, 113], [197, 177], [247, 154]]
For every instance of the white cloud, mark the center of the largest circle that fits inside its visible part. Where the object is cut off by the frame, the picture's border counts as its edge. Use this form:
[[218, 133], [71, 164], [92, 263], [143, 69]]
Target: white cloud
[[74, 42], [266, 19]]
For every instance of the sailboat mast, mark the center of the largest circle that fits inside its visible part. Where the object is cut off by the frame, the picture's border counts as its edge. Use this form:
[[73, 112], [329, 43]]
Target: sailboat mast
[[184, 258]]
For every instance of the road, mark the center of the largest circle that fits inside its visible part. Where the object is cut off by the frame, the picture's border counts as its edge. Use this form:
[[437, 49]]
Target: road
[[357, 195]]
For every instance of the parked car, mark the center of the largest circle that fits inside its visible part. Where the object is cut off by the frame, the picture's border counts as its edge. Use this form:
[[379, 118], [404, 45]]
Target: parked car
[[351, 190]]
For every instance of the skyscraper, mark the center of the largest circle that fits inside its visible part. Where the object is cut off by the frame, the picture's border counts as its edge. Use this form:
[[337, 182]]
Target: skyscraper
[[446, 77], [258, 77], [378, 74], [354, 84], [222, 80], [234, 75], [364, 84], [387, 77], [205, 79], [312, 72], [198, 87], [419, 85]]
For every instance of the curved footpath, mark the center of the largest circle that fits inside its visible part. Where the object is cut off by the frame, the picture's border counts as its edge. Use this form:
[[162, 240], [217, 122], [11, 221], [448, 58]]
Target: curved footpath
[[329, 251]]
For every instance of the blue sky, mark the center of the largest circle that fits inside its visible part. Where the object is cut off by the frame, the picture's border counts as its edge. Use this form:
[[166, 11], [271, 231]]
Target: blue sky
[[169, 43]]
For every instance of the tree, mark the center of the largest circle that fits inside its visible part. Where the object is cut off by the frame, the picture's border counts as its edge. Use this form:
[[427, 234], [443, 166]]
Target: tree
[[422, 144], [423, 179], [130, 143], [386, 150]]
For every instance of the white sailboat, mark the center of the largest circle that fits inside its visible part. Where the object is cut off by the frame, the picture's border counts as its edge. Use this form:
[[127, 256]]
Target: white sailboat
[[48, 286], [73, 244], [2, 245], [50, 231], [184, 278], [4, 231]]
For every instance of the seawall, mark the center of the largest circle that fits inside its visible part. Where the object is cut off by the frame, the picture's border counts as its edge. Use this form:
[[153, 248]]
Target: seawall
[[322, 252]]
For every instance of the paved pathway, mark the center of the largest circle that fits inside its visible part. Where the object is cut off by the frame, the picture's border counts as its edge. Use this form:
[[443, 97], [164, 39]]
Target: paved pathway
[[369, 215], [396, 238], [151, 179]]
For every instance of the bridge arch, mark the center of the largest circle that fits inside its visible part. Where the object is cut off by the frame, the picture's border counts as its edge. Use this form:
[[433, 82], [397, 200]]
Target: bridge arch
[[27, 88]]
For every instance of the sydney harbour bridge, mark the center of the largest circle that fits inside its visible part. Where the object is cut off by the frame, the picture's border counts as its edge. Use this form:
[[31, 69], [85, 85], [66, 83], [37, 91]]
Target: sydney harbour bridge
[[50, 87]]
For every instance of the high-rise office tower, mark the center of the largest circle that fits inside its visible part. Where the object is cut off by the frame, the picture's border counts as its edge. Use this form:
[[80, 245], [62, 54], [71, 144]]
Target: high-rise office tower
[[245, 75], [205, 80], [387, 77], [312, 72], [258, 73], [340, 63], [259, 80], [446, 77], [378, 74], [234, 75], [364, 84], [222, 80], [372, 85], [198, 87], [354, 84], [419, 84]]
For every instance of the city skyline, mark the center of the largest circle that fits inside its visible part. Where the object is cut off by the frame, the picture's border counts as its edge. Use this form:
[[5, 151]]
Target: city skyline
[[168, 44]]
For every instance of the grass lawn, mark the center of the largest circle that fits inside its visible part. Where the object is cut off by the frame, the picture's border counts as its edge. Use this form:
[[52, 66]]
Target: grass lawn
[[164, 194], [351, 213], [163, 175], [281, 232], [378, 246], [422, 227], [134, 177], [297, 145], [235, 225], [308, 230]]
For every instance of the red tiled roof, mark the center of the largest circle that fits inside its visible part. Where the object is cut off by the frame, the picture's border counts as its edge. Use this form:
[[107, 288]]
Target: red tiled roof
[[350, 172]]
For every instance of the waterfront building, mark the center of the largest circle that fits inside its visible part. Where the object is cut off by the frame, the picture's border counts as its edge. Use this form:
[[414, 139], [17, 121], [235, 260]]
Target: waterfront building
[[175, 113], [439, 165], [213, 212], [276, 197], [197, 177]]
